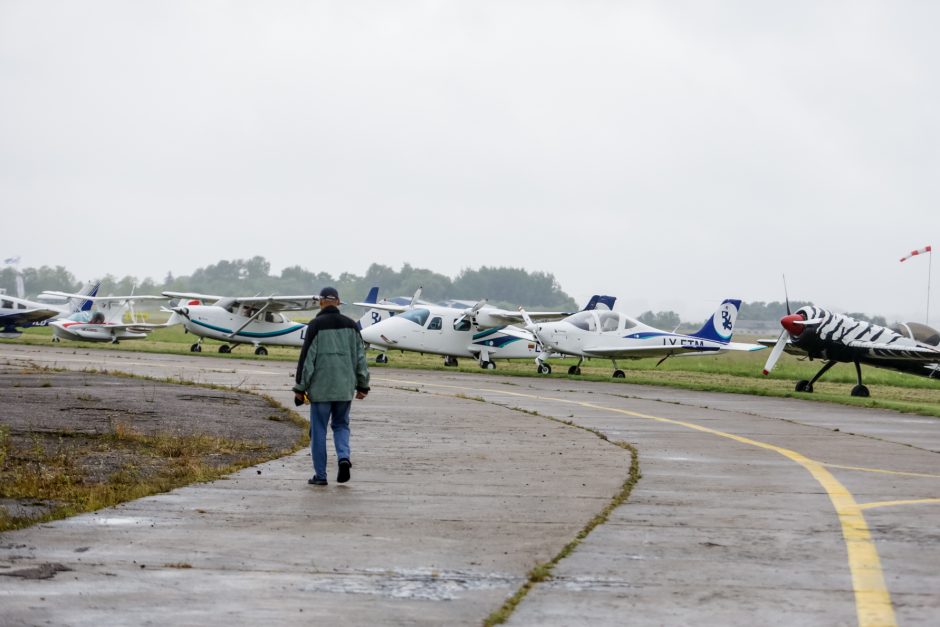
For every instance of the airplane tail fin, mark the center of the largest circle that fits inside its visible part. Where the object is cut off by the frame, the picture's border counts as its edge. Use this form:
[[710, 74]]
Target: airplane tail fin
[[720, 325], [83, 304], [372, 316], [600, 302]]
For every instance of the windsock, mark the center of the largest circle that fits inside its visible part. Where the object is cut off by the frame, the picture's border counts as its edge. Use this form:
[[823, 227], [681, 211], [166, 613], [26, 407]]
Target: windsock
[[914, 253]]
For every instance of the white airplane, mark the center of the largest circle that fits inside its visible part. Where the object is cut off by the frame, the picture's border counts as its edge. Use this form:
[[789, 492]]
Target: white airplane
[[23, 313], [107, 323], [455, 333], [255, 320], [613, 335]]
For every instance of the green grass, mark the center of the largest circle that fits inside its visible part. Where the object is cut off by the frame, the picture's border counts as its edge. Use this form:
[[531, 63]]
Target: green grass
[[731, 372]]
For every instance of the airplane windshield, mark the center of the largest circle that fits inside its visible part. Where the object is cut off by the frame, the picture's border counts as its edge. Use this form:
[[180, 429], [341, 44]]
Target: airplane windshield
[[418, 316], [461, 325], [584, 320]]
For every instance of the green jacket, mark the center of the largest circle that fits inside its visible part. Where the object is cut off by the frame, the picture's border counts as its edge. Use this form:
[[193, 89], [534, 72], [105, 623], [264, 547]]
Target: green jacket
[[332, 364]]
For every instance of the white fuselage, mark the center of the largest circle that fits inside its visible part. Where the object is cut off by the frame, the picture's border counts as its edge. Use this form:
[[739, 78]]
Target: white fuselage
[[271, 328], [446, 331], [614, 335]]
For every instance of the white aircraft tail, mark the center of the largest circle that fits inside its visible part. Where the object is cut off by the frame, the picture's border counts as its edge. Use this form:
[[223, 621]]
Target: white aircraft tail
[[373, 315], [720, 326], [76, 303]]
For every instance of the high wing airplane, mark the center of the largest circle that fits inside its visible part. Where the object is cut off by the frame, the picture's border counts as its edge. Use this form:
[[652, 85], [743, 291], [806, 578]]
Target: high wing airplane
[[107, 323], [256, 320], [820, 334], [613, 335], [23, 313], [455, 333]]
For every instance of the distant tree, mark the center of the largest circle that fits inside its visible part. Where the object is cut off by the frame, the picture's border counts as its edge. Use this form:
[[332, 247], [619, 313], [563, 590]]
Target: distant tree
[[666, 320]]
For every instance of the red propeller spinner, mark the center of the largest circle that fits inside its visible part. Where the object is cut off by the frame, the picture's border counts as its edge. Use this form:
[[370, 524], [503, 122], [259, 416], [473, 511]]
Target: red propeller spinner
[[792, 323]]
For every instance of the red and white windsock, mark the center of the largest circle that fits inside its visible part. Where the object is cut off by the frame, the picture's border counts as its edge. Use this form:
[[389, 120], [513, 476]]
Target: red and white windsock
[[914, 253]]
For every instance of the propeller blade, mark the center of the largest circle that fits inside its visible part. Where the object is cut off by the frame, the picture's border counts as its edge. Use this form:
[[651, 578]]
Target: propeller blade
[[775, 353], [786, 295], [810, 323]]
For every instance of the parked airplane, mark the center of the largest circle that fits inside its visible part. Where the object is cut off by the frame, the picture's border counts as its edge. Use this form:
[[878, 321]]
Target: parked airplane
[[256, 320], [820, 334], [456, 333], [107, 323], [613, 335], [23, 313]]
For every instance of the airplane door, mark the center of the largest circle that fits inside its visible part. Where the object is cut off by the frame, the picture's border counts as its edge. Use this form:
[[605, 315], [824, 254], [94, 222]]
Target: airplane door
[[431, 338]]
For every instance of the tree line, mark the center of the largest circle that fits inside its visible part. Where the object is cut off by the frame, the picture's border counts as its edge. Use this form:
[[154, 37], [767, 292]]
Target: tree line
[[502, 286]]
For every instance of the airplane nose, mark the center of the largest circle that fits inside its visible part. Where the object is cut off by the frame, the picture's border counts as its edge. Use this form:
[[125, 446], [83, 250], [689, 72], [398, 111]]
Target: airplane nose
[[791, 325]]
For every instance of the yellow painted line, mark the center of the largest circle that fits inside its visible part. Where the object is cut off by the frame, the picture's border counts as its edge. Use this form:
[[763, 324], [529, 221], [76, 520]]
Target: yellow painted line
[[883, 471], [893, 503], [872, 600]]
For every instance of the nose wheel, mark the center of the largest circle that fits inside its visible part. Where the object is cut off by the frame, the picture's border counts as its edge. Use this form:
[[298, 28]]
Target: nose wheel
[[195, 348], [450, 362], [381, 358], [544, 369], [261, 350]]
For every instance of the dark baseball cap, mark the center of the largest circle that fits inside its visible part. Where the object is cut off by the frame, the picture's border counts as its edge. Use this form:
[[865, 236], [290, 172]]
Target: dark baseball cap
[[329, 292]]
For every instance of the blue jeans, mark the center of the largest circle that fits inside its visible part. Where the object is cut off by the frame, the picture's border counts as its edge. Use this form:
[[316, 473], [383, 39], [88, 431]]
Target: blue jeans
[[319, 417]]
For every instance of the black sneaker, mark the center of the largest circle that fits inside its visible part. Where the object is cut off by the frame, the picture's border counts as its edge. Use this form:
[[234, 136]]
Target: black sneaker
[[344, 474], [315, 481]]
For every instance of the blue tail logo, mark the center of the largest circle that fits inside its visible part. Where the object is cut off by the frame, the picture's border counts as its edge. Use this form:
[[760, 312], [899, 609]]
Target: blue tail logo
[[720, 326]]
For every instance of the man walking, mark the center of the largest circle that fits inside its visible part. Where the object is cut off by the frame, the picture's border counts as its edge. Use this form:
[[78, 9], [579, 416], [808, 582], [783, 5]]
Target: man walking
[[331, 367]]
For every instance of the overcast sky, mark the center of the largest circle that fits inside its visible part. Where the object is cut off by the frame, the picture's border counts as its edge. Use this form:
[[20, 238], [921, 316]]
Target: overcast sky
[[672, 154]]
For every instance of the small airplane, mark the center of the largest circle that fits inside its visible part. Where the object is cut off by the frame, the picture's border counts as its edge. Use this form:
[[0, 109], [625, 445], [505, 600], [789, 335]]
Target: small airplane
[[455, 333], [255, 320], [613, 335], [20, 312], [820, 334], [107, 323]]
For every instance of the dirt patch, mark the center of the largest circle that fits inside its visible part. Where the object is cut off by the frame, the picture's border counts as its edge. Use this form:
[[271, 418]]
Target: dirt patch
[[66, 435]]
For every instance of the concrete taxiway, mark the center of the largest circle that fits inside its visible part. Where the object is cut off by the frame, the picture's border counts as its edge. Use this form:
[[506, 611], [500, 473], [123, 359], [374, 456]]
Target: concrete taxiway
[[749, 510]]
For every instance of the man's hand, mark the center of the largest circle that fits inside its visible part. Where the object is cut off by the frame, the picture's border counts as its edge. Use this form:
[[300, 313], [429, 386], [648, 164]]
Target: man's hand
[[298, 398], [360, 395]]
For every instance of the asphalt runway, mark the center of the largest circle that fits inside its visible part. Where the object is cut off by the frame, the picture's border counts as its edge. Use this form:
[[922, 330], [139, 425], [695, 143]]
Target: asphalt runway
[[749, 510]]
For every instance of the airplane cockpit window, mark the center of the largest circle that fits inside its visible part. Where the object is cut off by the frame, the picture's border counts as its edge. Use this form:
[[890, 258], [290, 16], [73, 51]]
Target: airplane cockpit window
[[461, 324], [418, 316], [6, 304], [609, 321], [628, 323], [436, 324], [584, 320]]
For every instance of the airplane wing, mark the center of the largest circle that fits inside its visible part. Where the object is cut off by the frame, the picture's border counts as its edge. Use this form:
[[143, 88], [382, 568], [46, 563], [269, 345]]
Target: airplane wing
[[102, 299], [385, 306], [645, 351], [193, 295], [884, 351], [26, 316], [504, 316], [280, 303]]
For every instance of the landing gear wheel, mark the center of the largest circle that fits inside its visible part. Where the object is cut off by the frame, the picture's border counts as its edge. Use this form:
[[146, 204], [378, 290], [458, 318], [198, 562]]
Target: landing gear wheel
[[488, 365], [544, 369], [195, 348], [261, 350], [381, 358], [860, 390], [225, 348], [618, 374], [804, 386], [450, 362], [574, 370]]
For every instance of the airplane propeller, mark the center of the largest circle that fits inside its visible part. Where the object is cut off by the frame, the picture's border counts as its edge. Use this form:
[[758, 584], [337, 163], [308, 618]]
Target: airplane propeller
[[793, 326], [472, 312]]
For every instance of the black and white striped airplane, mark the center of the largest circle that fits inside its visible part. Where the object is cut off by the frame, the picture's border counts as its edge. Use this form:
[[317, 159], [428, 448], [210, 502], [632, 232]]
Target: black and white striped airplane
[[820, 334]]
